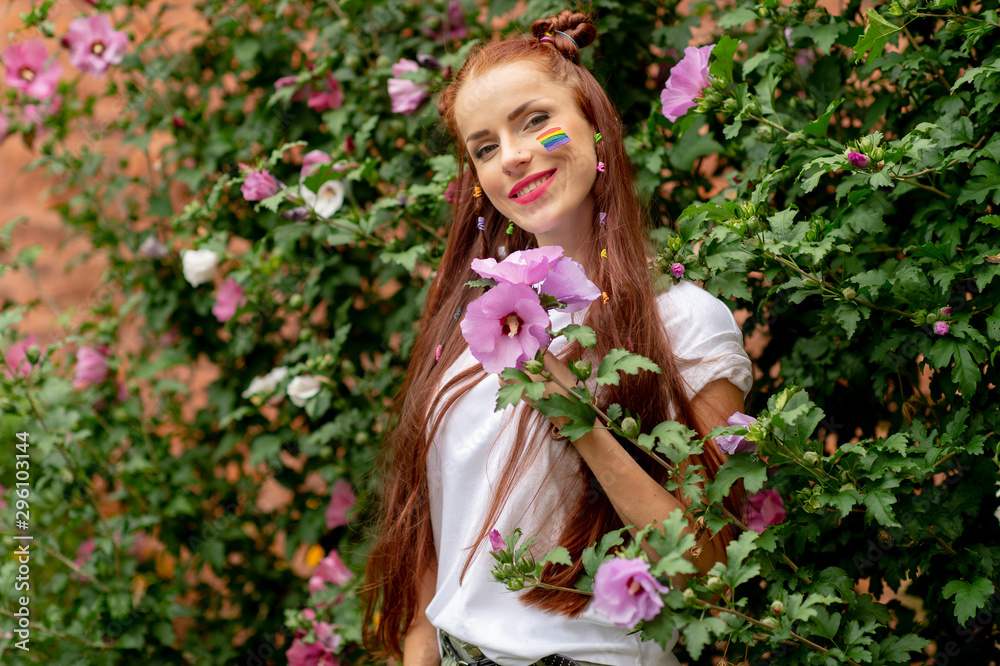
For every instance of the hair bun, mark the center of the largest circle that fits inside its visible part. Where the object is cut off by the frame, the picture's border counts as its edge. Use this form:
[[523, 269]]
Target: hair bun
[[571, 31]]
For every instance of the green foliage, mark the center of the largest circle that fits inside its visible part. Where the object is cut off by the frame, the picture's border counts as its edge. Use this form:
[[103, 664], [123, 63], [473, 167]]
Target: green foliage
[[885, 454]]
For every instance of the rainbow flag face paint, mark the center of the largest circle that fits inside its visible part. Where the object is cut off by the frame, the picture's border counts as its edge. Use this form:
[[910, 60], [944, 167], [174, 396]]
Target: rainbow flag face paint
[[553, 138]]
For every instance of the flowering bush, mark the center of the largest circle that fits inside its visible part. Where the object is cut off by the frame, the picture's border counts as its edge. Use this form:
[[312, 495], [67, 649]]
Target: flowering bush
[[297, 278]]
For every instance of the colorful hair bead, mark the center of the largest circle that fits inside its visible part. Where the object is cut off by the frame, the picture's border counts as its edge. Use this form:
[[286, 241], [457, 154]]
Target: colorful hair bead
[[605, 296], [481, 224], [510, 228], [604, 253], [603, 215], [600, 167], [478, 192], [597, 138], [552, 138], [458, 313], [437, 353]]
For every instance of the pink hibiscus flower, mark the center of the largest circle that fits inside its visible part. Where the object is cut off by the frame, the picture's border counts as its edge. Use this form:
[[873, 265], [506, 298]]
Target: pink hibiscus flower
[[17, 359], [765, 508], [453, 27], [259, 184], [318, 653], [687, 79], [329, 99], [26, 70], [342, 500], [83, 554], [625, 592], [227, 300], [496, 541], [505, 327], [94, 45], [91, 366], [568, 284], [733, 444], [300, 94], [526, 267], [312, 160], [406, 95], [331, 569]]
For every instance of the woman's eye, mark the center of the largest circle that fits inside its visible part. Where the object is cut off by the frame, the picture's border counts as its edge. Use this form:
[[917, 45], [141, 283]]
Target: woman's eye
[[541, 118]]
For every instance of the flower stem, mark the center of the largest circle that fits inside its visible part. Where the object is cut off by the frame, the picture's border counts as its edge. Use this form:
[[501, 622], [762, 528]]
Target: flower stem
[[758, 623]]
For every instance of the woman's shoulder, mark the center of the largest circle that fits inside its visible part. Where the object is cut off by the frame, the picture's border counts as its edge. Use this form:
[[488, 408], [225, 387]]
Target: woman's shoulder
[[687, 308]]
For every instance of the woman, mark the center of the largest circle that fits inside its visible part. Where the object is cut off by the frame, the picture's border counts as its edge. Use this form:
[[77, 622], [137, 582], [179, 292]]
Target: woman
[[525, 116]]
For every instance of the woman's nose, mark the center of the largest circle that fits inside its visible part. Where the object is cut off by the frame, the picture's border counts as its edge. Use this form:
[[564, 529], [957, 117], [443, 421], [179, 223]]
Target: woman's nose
[[513, 157]]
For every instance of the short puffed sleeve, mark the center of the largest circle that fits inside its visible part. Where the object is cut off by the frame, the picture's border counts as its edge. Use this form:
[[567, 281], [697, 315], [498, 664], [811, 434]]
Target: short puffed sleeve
[[705, 338]]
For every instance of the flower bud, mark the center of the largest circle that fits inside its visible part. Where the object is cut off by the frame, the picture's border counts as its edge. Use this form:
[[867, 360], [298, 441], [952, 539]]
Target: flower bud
[[895, 9], [771, 622], [715, 584], [532, 366], [796, 139], [919, 317], [515, 584], [428, 61], [32, 353], [931, 318], [777, 607], [730, 106], [811, 457], [689, 596], [953, 26], [582, 369], [630, 427], [295, 301], [849, 293], [908, 4], [857, 160], [675, 243], [765, 133], [945, 311], [362, 438]]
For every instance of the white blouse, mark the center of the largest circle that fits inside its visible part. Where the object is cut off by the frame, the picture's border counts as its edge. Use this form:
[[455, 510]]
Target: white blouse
[[464, 465]]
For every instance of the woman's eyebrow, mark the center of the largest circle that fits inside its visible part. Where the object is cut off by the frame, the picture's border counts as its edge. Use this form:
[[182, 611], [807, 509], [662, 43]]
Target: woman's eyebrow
[[513, 114]]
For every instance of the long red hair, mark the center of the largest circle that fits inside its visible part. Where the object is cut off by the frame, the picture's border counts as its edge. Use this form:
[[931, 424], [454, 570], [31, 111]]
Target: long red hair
[[405, 546]]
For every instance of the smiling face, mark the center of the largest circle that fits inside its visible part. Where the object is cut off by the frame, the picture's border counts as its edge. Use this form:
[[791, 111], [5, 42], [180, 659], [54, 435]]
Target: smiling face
[[523, 130]]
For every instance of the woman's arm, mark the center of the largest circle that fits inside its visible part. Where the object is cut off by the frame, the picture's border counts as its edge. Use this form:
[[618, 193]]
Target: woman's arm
[[636, 496], [420, 645]]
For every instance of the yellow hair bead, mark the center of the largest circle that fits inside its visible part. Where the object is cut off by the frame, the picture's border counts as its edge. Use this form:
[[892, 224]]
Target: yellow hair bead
[[478, 192], [604, 253], [605, 296]]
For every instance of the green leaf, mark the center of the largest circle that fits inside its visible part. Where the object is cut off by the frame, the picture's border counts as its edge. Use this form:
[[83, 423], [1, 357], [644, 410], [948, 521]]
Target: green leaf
[[671, 544], [985, 181], [593, 556], [509, 395], [819, 126], [558, 555], [407, 258], [875, 38], [897, 649], [619, 360], [264, 447], [700, 633], [879, 503], [724, 50], [744, 466], [736, 571], [969, 597], [581, 416], [578, 333]]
